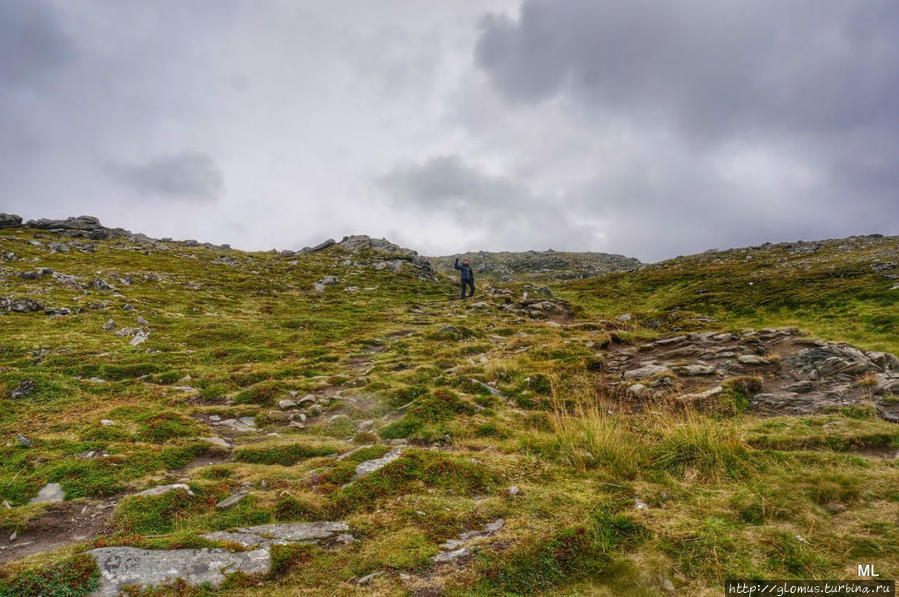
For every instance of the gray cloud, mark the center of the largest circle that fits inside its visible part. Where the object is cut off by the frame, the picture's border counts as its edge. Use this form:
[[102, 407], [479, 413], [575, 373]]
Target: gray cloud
[[32, 42], [496, 211], [187, 175], [715, 69], [649, 128], [446, 182]]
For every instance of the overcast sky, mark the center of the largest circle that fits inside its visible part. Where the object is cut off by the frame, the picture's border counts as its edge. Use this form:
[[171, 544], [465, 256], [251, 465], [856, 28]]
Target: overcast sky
[[648, 128]]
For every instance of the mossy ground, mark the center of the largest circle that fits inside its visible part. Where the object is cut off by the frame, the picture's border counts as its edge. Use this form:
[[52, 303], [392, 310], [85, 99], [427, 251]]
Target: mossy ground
[[609, 503]]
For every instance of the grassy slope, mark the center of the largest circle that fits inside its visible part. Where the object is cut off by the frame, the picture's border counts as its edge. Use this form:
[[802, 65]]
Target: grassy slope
[[722, 502], [835, 293]]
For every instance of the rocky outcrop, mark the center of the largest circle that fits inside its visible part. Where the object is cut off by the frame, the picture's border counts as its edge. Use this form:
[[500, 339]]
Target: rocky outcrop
[[783, 372], [552, 265], [10, 220], [360, 242]]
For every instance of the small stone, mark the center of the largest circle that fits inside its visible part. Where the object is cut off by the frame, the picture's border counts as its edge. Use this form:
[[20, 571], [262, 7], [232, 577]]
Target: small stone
[[109, 325], [107, 422], [513, 491], [624, 317], [231, 500], [23, 440], [344, 538], [50, 493], [834, 508], [248, 421], [142, 321], [286, 403], [139, 338]]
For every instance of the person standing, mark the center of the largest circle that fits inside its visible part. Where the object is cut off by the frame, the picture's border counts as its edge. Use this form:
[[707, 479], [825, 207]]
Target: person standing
[[467, 276]]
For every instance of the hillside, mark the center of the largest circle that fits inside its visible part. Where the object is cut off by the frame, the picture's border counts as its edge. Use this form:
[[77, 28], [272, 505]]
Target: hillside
[[538, 266], [331, 422]]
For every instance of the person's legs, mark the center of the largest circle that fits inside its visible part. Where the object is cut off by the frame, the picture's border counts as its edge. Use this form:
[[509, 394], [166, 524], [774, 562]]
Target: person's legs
[[463, 288], [470, 286]]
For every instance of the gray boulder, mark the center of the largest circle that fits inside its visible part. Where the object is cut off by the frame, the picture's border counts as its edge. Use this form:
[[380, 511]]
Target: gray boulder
[[77, 223], [10, 220], [320, 247]]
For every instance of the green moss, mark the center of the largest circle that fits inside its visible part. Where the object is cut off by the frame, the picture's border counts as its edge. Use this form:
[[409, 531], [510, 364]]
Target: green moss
[[154, 514], [73, 577], [285, 455]]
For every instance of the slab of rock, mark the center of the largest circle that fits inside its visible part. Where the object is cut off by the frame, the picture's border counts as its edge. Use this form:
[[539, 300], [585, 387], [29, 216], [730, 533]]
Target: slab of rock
[[446, 557], [124, 566], [455, 549], [236, 425], [280, 534], [370, 466], [50, 493], [691, 370], [286, 403], [232, 500], [216, 441], [164, 489], [751, 359], [646, 371]]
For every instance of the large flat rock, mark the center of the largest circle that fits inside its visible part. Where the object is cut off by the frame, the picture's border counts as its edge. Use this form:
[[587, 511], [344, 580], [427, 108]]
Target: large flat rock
[[268, 534], [124, 566]]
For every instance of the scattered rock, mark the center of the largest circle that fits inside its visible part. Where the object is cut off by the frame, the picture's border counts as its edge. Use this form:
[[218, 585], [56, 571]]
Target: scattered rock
[[101, 284], [21, 305], [107, 422], [139, 338], [24, 388], [325, 282], [624, 317], [23, 440], [216, 441], [286, 403], [142, 321], [109, 325], [513, 491]]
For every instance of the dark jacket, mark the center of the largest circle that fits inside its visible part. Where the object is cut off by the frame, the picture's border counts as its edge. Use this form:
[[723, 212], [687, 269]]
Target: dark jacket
[[467, 273]]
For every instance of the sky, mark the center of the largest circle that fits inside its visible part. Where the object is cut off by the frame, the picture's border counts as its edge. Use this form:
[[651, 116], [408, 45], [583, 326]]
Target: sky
[[646, 128]]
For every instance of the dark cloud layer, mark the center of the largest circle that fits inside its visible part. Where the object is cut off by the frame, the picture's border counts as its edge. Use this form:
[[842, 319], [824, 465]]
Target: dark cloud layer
[[187, 175]]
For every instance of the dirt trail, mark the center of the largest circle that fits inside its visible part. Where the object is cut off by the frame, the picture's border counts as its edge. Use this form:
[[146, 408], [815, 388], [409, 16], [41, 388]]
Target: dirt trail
[[63, 524]]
